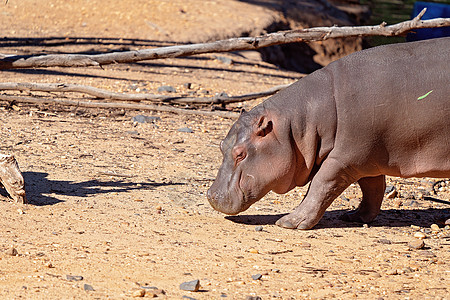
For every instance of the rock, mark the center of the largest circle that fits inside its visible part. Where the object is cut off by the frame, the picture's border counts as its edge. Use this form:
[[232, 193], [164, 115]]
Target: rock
[[222, 95], [145, 119], [187, 85], [253, 250], [259, 228], [384, 241], [435, 227], [12, 252], [389, 189], [253, 298], [132, 132], [74, 278], [186, 129], [192, 286], [256, 277], [88, 287], [420, 235], [427, 253], [224, 60], [392, 194], [138, 293], [416, 244], [447, 222], [392, 272], [166, 88]]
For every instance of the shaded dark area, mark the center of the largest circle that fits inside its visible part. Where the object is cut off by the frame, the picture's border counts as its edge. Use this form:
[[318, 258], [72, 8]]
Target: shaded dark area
[[387, 218], [38, 186]]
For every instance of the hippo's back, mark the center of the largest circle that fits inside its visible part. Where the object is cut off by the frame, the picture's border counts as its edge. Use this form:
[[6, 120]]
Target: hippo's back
[[393, 108]]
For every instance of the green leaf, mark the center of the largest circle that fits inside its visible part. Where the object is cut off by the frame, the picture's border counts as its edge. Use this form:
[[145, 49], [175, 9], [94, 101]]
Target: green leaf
[[424, 96]]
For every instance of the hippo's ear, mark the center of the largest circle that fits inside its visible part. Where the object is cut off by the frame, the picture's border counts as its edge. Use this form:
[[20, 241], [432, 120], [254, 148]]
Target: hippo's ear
[[265, 126]]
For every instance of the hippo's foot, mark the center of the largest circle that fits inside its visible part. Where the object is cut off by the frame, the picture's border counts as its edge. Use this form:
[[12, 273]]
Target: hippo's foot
[[358, 217], [295, 221]]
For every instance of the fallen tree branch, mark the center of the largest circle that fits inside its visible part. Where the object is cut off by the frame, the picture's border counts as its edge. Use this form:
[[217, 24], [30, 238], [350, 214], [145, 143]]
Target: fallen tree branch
[[104, 94], [24, 99], [234, 44]]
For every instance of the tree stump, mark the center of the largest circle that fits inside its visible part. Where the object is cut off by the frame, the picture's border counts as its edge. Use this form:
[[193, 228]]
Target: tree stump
[[11, 178]]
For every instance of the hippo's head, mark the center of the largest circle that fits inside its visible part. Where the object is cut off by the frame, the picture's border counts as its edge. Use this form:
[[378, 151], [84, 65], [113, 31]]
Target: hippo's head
[[258, 156]]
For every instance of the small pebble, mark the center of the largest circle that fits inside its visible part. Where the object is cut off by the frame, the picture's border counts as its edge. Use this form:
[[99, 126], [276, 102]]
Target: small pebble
[[435, 227], [166, 88], [416, 244], [192, 286], [392, 272], [259, 228], [186, 129], [74, 278], [88, 287], [187, 85], [225, 60], [12, 252], [385, 241], [256, 276], [415, 227], [420, 235], [138, 293], [145, 119], [254, 251], [20, 211], [253, 298]]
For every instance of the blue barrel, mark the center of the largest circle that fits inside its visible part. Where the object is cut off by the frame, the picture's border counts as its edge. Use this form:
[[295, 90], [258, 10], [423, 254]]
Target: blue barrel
[[434, 10]]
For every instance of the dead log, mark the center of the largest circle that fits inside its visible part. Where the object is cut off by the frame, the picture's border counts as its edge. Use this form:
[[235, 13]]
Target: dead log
[[104, 94], [11, 178], [119, 105], [234, 44]]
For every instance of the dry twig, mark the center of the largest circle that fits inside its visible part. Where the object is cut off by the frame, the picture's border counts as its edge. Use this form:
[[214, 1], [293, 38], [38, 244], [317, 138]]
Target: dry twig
[[234, 44]]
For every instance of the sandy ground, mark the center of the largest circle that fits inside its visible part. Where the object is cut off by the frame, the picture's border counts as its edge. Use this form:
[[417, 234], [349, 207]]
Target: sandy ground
[[119, 208]]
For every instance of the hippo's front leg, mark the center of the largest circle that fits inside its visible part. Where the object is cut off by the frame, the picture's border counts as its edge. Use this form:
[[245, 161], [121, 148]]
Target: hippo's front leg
[[328, 183]]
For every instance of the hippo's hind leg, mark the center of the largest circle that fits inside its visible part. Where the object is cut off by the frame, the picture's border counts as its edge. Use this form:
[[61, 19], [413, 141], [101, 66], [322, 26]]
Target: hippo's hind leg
[[328, 183], [373, 191]]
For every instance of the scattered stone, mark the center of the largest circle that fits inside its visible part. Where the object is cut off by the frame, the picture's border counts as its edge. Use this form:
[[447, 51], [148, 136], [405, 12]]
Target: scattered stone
[[132, 132], [416, 244], [12, 252], [420, 235], [253, 298], [253, 250], [391, 192], [366, 225], [20, 211], [276, 270], [192, 286], [145, 119], [224, 60], [256, 277], [88, 287], [74, 278], [138, 293], [435, 227], [187, 85], [447, 222], [392, 272], [427, 253], [385, 241], [221, 95], [166, 88], [415, 227], [186, 129], [259, 228]]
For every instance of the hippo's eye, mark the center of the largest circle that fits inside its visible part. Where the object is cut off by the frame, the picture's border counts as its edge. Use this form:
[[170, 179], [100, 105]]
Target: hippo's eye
[[239, 155]]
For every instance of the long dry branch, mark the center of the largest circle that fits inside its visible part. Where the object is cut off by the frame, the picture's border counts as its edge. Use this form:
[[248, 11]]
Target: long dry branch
[[26, 99], [234, 44], [104, 94]]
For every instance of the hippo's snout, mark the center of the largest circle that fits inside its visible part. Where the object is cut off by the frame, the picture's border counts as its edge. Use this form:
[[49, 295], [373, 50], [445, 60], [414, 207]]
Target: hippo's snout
[[223, 202]]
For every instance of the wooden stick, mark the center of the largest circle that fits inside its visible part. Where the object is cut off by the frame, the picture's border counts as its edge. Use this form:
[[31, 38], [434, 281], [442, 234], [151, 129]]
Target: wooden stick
[[234, 44], [104, 94], [223, 114]]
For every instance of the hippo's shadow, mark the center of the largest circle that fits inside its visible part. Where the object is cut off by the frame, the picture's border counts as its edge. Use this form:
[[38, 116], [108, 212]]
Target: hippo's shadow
[[42, 191], [386, 218]]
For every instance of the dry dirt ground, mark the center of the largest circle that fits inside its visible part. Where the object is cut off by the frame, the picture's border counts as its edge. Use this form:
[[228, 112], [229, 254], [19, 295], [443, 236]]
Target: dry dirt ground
[[123, 205]]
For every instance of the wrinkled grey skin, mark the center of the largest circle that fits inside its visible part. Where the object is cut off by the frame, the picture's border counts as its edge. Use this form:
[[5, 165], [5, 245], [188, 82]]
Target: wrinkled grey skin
[[356, 120]]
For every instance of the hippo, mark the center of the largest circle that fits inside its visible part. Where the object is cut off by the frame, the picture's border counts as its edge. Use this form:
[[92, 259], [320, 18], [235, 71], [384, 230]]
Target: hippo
[[378, 112], [11, 178]]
